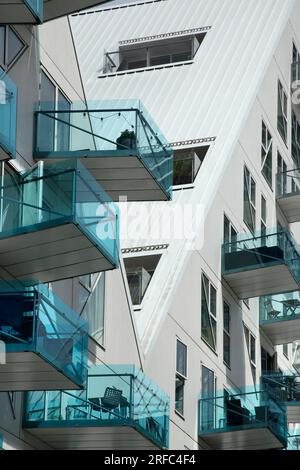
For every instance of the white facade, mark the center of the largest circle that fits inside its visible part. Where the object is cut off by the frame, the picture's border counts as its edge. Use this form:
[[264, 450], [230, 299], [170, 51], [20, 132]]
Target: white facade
[[218, 99]]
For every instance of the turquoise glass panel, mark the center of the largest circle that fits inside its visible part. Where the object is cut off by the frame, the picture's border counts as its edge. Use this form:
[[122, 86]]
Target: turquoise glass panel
[[36, 7], [261, 250], [56, 194], [279, 307], [103, 129], [288, 183], [227, 412], [8, 115], [283, 387], [114, 396], [35, 319]]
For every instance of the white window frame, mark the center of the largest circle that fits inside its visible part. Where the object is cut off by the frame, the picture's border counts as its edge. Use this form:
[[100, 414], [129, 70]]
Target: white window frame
[[282, 111], [227, 333], [180, 376], [252, 202], [210, 313], [267, 153]]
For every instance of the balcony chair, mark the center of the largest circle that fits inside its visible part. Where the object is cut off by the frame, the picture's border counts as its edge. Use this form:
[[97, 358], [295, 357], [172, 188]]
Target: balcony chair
[[236, 414], [271, 312], [113, 399]]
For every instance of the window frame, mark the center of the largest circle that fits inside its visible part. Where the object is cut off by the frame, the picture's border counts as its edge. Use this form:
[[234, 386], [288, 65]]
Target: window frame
[[211, 316], [227, 333], [252, 204], [7, 66], [282, 112], [267, 154], [250, 338], [180, 377]]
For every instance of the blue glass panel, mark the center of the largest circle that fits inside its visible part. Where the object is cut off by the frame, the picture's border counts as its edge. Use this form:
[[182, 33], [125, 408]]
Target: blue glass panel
[[105, 129], [115, 395], [279, 307], [8, 115], [35, 319], [283, 387], [36, 7], [240, 411]]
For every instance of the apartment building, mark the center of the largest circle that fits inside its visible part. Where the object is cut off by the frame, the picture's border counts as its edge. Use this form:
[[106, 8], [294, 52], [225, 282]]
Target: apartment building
[[149, 243]]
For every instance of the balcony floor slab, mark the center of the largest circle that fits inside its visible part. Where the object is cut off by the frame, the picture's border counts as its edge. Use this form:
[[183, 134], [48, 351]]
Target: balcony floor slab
[[27, 371], [245, 439], [290, 206], [282, 331]]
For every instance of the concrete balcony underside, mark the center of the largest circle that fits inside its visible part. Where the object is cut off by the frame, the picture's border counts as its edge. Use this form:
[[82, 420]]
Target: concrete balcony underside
[[119, 175], [261, 281], [282, 331], [50, 254], [29, 371], [290, 206], [73, 436], [293, 412], [245, 439], [16, 12]]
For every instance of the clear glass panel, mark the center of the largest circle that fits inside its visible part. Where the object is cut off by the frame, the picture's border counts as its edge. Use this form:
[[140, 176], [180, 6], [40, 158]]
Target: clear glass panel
[[279, 307], [14, 46], [8, 115], [181, 358]]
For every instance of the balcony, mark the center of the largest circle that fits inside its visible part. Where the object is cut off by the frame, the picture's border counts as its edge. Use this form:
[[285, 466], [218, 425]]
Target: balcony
[[56, 223], [285, 389], [45, 341], [246, 421], [120, 409], [293, 443], [280, 317], [21, 11], [8, 117], [261, 264], [288, 194], [117, 141]]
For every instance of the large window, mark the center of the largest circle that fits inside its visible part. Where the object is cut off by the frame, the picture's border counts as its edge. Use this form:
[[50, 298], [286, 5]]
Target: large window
[[268, 362], [267, 155], [187, 163], [56, 133], [209, 313], [226, 334], [249, 200], [208, 387], [282, 112], [281, 170], [11, 46], [181, 376], [251, 348], [153, 53], [139, 271]]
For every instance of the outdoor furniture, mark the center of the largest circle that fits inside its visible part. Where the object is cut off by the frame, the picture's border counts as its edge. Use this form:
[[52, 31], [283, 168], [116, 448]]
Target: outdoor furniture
[[291, 305], [236, 414], [272, 313], [253, 257]]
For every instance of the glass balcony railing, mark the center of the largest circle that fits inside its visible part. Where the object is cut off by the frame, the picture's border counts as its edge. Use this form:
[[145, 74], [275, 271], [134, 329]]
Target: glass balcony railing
[[56, 195], [8, 117], [288, 183], [114, 139], [242, 412], [293, 443], [115, 396], [36, 7], [279, 307], [35, 320]]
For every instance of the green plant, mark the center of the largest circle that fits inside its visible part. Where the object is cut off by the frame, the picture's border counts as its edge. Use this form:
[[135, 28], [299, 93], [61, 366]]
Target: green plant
[[127, 134]]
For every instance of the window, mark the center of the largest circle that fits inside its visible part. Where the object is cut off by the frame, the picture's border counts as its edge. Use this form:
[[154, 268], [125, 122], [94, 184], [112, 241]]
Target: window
[[226, 334], [295, 140], [285, 350], [90, 303], [11, 46], [208, 387], [187, 163], [251, 348], [153, 53], [249, 200], [282, 175], [263, 216], [139, 271], [181, 375], [268, 362], [56, 134], [267, 155], [282, 112], [296, 61], [209, 313]]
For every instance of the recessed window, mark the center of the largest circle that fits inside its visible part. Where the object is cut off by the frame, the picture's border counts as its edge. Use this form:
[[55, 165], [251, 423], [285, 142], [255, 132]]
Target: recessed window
[[11, 46], [226, 334], [187, 164], [230, 235], [249, 200], [251, 348], [282, 113], [181, 376], [268, 362], [139, 271], [282, 175], [209, 313], [295, 140], [263, 215], [285, 350], [267, 155], [153, 53]]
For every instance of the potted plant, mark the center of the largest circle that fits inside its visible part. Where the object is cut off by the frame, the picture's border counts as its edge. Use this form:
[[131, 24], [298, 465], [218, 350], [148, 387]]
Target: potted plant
[[126, 139]]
